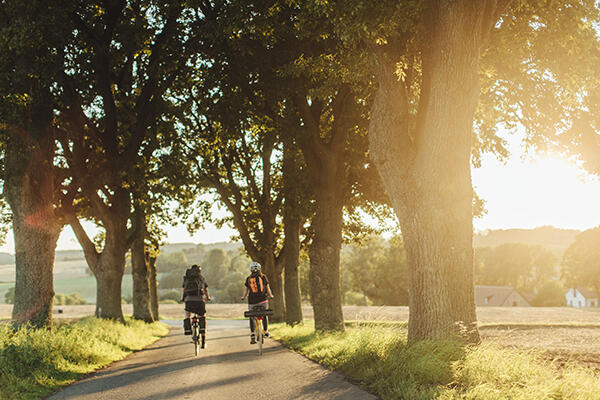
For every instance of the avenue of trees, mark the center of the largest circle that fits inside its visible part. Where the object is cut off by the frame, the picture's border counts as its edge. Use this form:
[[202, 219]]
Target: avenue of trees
[[296, 116]]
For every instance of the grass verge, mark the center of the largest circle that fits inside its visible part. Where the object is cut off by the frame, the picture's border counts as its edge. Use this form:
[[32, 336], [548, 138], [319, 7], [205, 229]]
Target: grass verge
[[35, 363], [379, 358]]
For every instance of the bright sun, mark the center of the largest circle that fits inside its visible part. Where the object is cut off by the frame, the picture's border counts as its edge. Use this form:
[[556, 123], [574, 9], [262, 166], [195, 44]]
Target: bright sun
[[547, 190]]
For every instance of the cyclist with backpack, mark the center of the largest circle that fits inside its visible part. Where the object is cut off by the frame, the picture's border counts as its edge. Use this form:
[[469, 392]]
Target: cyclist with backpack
[[195, 291], [257, 289]]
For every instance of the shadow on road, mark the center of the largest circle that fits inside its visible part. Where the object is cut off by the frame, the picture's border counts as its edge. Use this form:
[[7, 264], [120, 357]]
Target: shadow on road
[[190, 389]]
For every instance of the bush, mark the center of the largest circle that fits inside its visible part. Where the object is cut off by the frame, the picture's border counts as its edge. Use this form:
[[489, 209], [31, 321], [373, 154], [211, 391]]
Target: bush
[[355, 299], [172, 280], [169, 301], [173, 294], [9, 296], [69, 299]]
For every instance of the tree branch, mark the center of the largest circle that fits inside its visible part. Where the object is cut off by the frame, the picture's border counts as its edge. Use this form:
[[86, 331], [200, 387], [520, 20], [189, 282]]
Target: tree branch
[[89, 248]]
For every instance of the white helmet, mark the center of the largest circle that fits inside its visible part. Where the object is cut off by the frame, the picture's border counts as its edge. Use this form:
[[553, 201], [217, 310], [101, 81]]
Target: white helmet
[[254, 266]]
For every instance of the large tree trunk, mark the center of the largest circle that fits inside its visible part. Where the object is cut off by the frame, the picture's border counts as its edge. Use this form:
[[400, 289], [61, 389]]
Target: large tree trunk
[[109, 277], [274, 274], [291, 253], [153, 287], [291, 228], [29, 187], [140, 271], [324, 253], [426, 173]]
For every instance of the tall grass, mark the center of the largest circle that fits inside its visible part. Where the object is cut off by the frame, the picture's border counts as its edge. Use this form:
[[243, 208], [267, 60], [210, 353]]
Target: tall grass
[[34, 363], [379, 358]]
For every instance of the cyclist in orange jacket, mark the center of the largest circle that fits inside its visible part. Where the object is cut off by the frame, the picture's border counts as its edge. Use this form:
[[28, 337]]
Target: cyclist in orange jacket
[[258, 291]]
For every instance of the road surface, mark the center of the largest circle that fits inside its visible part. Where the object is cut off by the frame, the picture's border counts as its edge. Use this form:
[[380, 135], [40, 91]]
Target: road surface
[[229, 368]]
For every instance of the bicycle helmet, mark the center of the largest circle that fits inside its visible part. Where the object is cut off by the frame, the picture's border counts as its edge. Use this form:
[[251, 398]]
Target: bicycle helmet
[[254, 266]]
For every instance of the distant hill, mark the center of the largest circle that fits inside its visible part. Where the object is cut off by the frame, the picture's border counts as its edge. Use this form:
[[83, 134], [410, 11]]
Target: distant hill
[[199, 247], [68, 255], [227, 246], [177, 247], [555, 239]]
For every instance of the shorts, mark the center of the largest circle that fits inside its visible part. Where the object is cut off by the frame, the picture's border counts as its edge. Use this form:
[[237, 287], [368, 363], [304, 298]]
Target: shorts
[[262, 304], [196, 307]]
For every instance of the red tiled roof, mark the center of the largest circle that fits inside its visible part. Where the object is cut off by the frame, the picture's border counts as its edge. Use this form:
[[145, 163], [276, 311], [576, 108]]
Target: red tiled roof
[[587, 293]]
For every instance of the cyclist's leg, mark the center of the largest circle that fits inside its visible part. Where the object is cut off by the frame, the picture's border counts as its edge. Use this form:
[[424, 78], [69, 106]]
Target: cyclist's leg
[[265, 321], [251, 307], [187, 323], [202, 317]]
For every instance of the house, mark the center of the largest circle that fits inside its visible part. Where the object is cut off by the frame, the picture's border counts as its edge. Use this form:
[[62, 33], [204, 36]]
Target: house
[[499, 296], [581, 297]]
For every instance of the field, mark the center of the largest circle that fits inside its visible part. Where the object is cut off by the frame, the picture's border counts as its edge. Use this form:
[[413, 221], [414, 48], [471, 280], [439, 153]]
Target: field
[[69, 277], [563, 334]]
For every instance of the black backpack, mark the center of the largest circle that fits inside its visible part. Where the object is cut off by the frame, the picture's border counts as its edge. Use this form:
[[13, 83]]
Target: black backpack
[[257, 284], [193, 282]]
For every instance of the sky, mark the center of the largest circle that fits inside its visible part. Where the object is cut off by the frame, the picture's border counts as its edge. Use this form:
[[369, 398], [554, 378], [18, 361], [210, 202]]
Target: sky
[[525, 192]]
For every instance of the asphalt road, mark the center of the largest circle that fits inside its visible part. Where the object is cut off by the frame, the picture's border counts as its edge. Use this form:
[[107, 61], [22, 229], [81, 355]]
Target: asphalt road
[[229, 368]]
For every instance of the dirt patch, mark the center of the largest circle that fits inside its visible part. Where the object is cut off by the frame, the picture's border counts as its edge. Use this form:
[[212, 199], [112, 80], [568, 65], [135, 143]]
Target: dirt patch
[[559, 344]]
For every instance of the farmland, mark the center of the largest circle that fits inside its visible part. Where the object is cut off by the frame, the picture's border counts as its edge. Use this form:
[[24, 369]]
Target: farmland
[[558, 332]]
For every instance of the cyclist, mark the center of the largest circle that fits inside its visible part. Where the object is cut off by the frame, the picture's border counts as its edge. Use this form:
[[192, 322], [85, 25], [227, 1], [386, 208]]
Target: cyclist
[[257, 289], [195, 291]]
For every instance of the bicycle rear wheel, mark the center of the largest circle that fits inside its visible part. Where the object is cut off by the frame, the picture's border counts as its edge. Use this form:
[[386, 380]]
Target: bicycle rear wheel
[[196, 338], [259, 337]]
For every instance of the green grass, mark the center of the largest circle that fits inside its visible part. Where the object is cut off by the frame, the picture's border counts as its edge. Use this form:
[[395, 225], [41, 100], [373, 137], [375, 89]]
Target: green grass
[[83, 284], [35, 363], [379, 358]]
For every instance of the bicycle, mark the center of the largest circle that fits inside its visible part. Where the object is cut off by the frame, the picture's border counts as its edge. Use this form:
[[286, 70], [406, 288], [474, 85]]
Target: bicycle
[[196, 334], [257, 315]]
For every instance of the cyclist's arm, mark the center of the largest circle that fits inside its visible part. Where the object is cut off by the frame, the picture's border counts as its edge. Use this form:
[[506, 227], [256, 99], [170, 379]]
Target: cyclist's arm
[[245, 293], [269, 291], [206, 293]]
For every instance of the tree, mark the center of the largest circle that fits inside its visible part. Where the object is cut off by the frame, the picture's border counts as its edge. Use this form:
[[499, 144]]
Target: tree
[[318, 102], [429, 184], [550, 294], [378, 270], [581, 260], [126, 64], [32, 182], [436, 60], [235, 143], [522, 266]]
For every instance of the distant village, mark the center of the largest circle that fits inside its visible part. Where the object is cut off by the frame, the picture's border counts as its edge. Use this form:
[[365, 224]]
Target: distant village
[[506, 296]]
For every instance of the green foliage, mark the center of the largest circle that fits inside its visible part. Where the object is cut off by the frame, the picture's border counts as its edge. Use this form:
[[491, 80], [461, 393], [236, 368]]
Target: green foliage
[[5, 216], [380, 359], [356, 299], [172, 280], [174, 295], [34, 363], [9, 296], [376, 269], [522, 266], [582, 260], [69, 299], [550, 294], [224, 272], [167, 262]]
